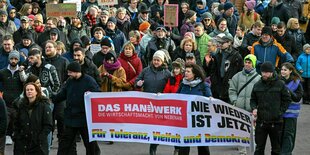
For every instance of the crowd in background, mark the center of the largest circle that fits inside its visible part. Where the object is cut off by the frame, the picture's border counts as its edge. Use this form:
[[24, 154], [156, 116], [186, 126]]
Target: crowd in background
[[220, 48]]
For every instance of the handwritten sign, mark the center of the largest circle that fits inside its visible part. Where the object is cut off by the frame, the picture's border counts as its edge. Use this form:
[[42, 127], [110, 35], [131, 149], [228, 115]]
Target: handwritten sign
[[107, 2], [171, 12], [62, 9], [94, 48]]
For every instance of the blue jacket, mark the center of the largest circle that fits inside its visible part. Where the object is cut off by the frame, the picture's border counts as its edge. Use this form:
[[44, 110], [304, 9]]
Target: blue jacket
[[118, 38], [271, 52], [303, 63], [196, 90], [73, 92]]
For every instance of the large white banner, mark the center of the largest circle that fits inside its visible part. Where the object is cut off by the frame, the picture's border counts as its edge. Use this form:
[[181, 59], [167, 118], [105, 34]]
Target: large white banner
[[169, 119]]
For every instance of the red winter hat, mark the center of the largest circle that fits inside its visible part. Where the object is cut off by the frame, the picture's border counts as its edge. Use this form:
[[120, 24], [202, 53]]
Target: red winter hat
[[144, 25]]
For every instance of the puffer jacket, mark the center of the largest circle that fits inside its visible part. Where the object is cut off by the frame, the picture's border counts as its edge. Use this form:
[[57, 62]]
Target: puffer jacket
[[271, 99], [75, 32], [271, 52], [31, 130], [202, 44], [236, 83], [303, 63]]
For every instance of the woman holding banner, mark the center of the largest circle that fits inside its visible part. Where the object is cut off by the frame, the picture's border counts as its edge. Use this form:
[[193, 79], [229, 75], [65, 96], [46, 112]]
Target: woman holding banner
[[293, 82], [153, 79], [193, 84]]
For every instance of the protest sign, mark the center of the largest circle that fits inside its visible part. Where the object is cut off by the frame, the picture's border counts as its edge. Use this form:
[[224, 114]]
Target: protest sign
[[94, 48], [77, 2], [169, 119], [62, 9], [171, 12], [107, 2]]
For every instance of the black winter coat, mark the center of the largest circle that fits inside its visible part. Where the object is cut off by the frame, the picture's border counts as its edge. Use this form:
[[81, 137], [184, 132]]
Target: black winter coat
[[233, 64], [280, 10], [289, 44], [73, 92], [271, 99], [12, 86], [32, 125], [61, 64], [300, 39], [91, 69]]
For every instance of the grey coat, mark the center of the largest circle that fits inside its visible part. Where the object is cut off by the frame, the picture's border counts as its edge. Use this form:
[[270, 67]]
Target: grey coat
[[154, 79], [236, 83]]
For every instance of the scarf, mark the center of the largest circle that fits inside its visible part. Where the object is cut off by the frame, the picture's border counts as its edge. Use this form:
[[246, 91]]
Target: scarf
[[192, 83], [112, 67], [92, 20], [39, 29]]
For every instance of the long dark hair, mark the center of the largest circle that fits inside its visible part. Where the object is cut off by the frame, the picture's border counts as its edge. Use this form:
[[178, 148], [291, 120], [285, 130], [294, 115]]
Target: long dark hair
[[197, 70], [294, 75]]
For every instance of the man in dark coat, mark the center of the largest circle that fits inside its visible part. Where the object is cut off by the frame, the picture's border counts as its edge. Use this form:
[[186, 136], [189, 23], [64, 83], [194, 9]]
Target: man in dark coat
[[276, 8], [75, 118], [88, 67], [223, 66], [269, 100], [24, 28], [11, 87]]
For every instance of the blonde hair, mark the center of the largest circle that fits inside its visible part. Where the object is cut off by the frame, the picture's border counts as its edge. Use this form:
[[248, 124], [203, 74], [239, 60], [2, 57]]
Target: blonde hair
[[24, 9], [129, 44], [188, 40], [290, 22]]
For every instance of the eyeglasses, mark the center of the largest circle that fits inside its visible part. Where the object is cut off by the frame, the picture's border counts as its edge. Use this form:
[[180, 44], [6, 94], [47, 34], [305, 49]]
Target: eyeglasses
[[207, 19]]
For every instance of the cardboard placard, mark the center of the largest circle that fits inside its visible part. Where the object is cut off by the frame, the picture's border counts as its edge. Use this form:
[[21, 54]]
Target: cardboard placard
[[107, 2], [78, 4], [94, 48], [62, 9], [171, 13]]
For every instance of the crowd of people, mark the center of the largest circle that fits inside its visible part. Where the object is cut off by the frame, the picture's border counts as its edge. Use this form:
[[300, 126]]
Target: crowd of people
[[255, 58]]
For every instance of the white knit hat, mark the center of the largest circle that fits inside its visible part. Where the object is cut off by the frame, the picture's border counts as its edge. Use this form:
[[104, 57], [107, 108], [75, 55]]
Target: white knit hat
[[306, 46], [160, 54]]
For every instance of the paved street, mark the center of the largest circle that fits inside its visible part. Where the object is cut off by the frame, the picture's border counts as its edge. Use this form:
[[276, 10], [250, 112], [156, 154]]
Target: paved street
[[301, 148]]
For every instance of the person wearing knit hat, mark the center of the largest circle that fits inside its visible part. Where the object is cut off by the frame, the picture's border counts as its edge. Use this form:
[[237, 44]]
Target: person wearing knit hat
[[206, 15], [113, 20], [14, 54], [173, 83], [2, 12], [179, 63], [144, 26], [74, 67], [270, 98], [274, 23], [228, 6], [250, 4], [241, 86], [159, 55], [105, 42], [267, 31], [252, 58], [267, 67], [306, 47]]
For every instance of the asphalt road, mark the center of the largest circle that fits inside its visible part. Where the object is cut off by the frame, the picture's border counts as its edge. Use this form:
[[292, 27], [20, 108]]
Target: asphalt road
[[302, 144]]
